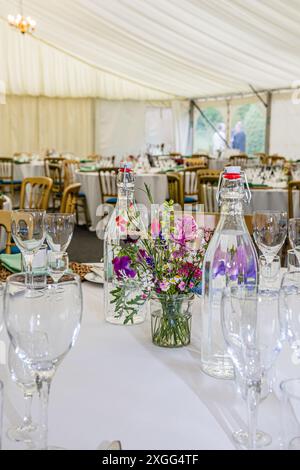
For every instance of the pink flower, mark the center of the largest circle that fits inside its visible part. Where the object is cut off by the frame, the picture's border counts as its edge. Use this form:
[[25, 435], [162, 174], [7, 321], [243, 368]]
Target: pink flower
[[121, 223], [144, 296], [192, 285], [155, 228], [185, 229], [164, 286], [181, 286]]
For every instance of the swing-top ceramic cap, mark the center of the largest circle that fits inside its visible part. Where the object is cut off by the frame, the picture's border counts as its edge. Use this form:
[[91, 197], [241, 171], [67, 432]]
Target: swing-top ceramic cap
[[232, 172]]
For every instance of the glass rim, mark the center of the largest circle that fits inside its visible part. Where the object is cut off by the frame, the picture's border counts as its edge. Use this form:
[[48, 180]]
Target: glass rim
[[269, 211], [284, 387], [42, 211], [170, 298], [13, 278], [59, 214]]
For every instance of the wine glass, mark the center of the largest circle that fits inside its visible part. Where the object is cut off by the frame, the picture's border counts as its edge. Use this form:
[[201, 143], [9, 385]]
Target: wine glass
[[59, 230], [58, 265], [24, 377], [28, 232], [269, 231], [290, 391], [290, 288], [251, 328], [294, 236], [42, 331]]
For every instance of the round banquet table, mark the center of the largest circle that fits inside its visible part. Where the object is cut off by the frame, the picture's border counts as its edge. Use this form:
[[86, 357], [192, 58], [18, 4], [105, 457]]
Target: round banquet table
[[90, 187], [116, 385], [26, 170]]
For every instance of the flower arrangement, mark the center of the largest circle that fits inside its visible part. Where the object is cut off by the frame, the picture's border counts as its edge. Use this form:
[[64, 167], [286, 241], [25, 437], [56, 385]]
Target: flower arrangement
[[166, 263]]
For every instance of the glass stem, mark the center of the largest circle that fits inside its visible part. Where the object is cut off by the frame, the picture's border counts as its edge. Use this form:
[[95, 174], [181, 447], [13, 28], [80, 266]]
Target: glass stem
[[28, 258], [43, 386], [27, 420], [252, 404]]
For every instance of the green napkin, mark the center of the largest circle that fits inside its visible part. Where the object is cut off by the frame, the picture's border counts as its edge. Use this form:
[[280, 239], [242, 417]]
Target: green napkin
[[86, 169], [12, 263]]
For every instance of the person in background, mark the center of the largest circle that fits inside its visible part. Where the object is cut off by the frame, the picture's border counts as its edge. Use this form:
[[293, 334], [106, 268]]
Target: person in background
[[219, 139], [239, 138]]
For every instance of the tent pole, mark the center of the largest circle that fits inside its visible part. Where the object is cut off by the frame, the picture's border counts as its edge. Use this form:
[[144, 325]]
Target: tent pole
[[191, 127], [268, 122]]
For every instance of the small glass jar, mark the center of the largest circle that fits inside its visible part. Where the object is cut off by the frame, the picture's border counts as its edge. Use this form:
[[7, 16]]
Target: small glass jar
[[171, 319]]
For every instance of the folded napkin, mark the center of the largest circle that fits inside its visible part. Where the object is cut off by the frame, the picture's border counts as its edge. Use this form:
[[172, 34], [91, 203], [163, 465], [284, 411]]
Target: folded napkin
[[86, 169], [12, 263]]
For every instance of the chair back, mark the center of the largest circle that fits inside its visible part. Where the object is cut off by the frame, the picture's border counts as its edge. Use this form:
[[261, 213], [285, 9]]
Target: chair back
[[190, 180], [293, 186], [239, 160], [6, 169], [108, 183], [199, 160], [5, 222], [273, 160], [107, 162], [35, 193], [175, 187], [69, 171], [207, 181], [69, 199]]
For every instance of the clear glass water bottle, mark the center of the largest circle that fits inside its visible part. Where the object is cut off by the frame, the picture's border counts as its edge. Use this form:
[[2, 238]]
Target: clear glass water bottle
[[231, 259], [124, 296]]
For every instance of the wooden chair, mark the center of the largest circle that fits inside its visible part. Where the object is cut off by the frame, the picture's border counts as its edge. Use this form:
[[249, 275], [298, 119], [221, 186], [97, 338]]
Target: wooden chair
[[54, 170], [190, 185], [35, 193], [238, 160], [7, 182], [108, 185], [293, 185], [206, 181], [70, 167], [199, 160], [107, 162], [69, 199], [5, 222], [273, 160], [175, 186]]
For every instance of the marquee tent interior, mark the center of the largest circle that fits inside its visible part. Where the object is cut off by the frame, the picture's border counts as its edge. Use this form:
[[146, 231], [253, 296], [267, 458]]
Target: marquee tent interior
[[111, 68]]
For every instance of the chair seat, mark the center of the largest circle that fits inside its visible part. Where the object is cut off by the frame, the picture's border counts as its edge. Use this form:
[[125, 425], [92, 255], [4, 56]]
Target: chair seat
[[112, 200], [14, 251], [81, 194], [190, 199], [10, 182]]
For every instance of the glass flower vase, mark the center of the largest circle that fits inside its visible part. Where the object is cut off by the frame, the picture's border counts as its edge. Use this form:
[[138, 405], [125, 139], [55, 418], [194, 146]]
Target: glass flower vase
[[171, 319]]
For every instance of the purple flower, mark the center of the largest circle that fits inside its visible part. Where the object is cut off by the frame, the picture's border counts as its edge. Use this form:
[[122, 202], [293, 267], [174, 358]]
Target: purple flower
[[122, 267], [237, 264], [185, 229], [181, 286]]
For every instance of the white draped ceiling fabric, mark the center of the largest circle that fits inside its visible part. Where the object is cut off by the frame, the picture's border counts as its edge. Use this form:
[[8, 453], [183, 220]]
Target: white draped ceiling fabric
[[157, 49], [141, 50]]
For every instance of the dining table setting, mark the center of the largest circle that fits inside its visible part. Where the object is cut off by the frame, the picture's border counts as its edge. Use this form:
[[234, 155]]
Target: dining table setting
[[144, 339]]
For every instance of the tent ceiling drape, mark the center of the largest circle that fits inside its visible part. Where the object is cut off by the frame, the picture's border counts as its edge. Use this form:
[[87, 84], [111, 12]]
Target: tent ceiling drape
[[158, 49]]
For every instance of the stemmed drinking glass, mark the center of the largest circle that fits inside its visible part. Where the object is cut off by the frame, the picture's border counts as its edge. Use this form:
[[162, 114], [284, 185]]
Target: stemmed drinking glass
[[43, 333], [28, 232], [59, 231], [24, 377], [58, 265], [294, 236], [269, 231], [290, 288], [251, 328]]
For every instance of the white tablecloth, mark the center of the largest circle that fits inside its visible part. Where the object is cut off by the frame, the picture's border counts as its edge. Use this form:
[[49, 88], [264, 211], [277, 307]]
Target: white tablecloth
[[116, 385], [90, 187], [26, 170]]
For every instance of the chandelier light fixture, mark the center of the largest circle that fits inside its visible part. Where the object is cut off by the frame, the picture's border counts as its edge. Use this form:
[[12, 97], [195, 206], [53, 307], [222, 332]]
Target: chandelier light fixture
[[25, 24]]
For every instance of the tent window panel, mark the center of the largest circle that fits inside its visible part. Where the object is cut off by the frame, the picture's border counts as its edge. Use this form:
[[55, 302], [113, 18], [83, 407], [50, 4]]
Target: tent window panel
[[206, 138], [248, 128]]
